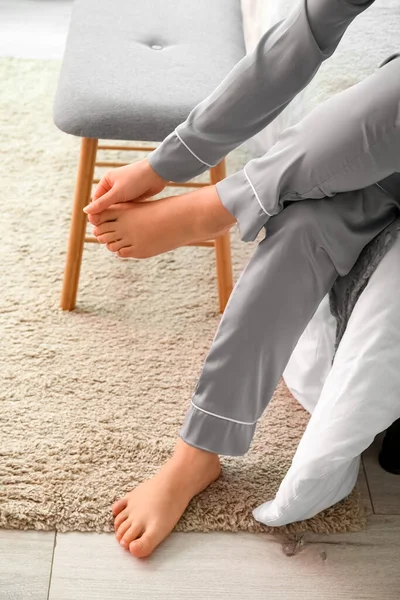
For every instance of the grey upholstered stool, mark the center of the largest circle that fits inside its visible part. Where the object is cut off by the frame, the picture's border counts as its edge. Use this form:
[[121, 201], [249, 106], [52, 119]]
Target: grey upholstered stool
[[133, 70]]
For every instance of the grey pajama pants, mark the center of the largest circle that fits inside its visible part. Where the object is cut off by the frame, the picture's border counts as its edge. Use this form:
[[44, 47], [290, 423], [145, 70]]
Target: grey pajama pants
[[343, 162]]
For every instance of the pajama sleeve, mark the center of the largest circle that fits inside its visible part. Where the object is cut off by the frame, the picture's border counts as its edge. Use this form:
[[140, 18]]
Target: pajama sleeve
[[253, 93]]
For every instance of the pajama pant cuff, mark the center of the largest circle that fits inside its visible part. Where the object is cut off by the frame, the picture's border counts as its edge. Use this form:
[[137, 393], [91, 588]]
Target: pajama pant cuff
[[239, 197], [216, 434]]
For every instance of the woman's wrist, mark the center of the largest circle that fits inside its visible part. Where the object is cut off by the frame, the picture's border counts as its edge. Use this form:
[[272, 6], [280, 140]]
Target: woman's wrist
[[151, 173]]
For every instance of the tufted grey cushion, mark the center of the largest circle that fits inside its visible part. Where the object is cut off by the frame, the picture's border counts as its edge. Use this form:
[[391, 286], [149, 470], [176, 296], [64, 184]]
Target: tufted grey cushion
[[115, 81]]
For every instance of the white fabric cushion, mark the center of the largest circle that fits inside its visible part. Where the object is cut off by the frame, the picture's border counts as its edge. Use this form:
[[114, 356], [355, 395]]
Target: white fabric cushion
[[311, 360], [360, 397]]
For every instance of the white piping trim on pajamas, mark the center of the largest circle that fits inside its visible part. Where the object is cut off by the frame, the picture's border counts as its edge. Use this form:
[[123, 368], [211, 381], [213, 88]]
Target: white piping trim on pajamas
[[224, 418], [255, 193], [186, 146]]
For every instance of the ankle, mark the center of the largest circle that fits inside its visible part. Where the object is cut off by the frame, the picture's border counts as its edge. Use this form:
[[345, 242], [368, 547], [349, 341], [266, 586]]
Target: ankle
[[185, 454], [213, 219]]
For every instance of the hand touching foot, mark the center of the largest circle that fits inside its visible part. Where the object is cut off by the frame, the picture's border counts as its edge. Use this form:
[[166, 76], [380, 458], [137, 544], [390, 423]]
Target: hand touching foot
[[134, 182], [144, 229], [140, 229], [146, 515]]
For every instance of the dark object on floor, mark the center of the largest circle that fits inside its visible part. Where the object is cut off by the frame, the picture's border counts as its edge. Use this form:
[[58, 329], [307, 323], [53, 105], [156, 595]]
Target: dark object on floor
[[389, 457]]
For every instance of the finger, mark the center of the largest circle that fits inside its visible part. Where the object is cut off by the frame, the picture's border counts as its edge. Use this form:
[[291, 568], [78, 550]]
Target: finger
[[106, 215], [102, 203], [100, 218], [102, 188], [145, 196]]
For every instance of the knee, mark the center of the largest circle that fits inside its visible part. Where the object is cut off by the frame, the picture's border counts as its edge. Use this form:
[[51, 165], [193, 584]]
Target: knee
[[298, 220]]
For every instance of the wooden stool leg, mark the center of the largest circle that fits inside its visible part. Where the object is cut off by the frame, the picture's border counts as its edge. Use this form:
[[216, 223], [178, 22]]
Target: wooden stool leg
[[78, 225], [222, 249]]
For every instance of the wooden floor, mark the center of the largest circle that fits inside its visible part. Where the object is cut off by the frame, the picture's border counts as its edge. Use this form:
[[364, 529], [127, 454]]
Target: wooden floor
[[88, 566], [45, 566]]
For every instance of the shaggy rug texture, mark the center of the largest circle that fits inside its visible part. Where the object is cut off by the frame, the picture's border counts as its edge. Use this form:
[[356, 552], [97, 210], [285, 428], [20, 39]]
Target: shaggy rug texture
[[92, 400]]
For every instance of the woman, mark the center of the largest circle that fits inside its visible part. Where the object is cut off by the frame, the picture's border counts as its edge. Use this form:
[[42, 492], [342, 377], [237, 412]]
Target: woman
[[341, 161]]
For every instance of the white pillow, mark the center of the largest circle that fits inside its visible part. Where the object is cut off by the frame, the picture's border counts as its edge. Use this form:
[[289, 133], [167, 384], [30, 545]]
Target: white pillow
[[311, 360], [359, 399]]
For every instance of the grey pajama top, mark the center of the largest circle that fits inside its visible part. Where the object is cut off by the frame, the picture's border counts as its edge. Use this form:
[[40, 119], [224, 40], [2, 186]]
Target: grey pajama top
[[253, 93]]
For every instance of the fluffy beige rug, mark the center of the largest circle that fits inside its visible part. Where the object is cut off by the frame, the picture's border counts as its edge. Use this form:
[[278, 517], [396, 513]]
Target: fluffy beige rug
[[92, 401]]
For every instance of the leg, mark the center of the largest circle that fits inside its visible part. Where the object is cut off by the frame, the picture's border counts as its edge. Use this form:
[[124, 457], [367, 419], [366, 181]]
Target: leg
[[349, 142], [77, 233], [224, 269], [272, 302], [292, 269], [359, 399], [222, 249]]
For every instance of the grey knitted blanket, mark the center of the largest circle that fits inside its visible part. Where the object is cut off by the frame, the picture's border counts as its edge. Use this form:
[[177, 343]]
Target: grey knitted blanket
[[347, 289]]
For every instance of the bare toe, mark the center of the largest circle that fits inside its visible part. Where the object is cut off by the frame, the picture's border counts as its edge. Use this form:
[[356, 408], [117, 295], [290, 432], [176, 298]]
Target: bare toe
[[115, 245], [92, 219], [155, 506], [119, 505], [108, 238], [106, 215], [144, 545], [131, 534], [107, 227], [120, 518], [126, 252], [122, 529]]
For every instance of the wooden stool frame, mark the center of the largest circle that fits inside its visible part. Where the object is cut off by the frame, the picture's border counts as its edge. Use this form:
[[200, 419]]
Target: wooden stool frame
[[83, 189]]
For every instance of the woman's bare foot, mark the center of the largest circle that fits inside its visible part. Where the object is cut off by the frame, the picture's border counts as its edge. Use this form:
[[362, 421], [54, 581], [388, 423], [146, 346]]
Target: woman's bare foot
[[144, 229], [147, 514]]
